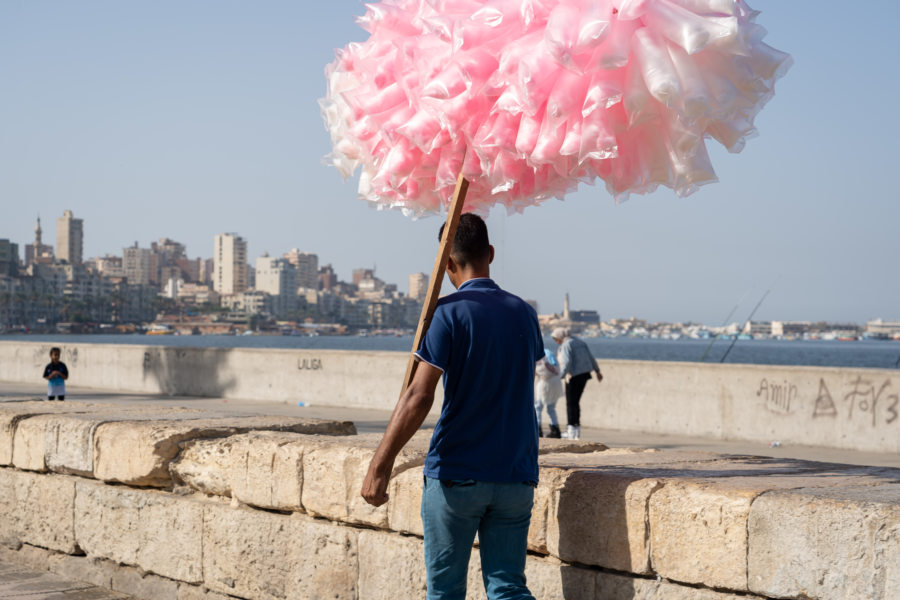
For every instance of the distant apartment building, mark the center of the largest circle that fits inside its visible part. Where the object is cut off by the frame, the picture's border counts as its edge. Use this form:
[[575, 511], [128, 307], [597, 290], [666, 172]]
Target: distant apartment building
[[277, 277], [361, 274], [193, 293], [9, 259], [248, 303], [69, 238], [170, 250], [790, 329], [230, 264], [140, 265], [327, 278], [881, 329], [307, 266], [109, 266], [418, 286], [38, 251], [760, 328]]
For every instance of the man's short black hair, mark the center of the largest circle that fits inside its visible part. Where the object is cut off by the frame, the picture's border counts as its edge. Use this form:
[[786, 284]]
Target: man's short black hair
[[55, 349], [471, 244]]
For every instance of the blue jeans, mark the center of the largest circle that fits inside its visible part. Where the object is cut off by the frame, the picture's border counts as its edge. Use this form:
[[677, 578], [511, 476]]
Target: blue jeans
[[452, 512]]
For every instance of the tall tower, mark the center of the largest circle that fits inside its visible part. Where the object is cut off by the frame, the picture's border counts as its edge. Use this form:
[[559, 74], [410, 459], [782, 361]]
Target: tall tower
[[37, 234], [230, 264], [69, 238], [566, 307]]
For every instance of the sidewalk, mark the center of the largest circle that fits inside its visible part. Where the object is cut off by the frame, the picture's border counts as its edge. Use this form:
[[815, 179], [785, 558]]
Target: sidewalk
[[375, 421], [18, 582]]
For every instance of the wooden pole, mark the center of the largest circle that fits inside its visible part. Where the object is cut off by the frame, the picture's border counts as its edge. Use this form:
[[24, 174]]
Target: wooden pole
[[437, 275]]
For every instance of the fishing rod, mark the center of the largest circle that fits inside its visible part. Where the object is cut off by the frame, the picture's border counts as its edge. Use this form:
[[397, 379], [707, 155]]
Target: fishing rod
[[724, 323], [749, 319]]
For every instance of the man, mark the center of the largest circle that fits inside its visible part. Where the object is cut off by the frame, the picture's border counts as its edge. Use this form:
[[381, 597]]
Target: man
[[575, 364], [481, 467]]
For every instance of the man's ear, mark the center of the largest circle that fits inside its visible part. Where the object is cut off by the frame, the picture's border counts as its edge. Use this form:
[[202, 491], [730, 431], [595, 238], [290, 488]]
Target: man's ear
[[491, 260], [452, 267]]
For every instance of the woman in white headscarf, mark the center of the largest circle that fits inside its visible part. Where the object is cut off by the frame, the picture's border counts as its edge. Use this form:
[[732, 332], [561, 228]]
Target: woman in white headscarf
[[575, 365], [547, 390]]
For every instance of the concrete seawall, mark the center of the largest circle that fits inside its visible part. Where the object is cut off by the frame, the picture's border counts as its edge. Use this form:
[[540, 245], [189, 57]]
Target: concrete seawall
[[832, 407], [194, 505]]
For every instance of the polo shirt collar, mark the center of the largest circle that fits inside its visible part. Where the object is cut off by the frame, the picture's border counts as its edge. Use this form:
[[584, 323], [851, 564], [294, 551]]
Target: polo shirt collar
[[482, 283]]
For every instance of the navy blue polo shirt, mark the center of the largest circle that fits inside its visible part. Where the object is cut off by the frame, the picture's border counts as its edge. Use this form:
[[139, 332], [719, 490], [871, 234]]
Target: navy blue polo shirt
[[486, 341]]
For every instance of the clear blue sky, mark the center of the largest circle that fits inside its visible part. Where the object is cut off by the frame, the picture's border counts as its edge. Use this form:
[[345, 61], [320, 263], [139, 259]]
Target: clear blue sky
[[186, 119]]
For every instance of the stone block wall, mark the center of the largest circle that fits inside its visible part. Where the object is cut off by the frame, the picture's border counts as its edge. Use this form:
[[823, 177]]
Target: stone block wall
[[196, 505]]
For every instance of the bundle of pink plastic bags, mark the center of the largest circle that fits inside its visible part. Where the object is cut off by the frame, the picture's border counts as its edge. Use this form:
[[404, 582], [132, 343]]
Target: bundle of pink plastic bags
[[529, 98]]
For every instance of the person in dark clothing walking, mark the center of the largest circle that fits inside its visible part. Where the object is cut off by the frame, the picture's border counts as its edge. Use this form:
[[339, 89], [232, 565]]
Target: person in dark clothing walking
[[575, 364]]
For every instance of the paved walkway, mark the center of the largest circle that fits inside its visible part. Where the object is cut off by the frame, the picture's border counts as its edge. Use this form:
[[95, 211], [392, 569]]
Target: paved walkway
[[27, 584], [375, 421]]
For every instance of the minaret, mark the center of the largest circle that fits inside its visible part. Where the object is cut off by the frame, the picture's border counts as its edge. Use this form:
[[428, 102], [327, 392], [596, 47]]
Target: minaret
[[566, 307], [37, 233]]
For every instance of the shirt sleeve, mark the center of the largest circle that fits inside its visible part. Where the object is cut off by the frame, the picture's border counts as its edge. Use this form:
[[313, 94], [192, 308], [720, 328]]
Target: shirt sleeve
[[437, 343], [64, 369], [46, 370]]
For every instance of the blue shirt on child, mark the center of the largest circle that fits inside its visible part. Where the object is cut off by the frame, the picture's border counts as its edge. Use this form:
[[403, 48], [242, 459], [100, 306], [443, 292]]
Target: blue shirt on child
[[486, 341]]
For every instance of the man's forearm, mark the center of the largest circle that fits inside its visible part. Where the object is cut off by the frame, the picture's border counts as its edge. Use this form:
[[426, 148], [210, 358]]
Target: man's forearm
[[408, 416]]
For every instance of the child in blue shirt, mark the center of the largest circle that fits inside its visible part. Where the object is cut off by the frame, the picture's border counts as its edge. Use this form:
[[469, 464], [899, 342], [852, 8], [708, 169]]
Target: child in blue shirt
[[56, 374]]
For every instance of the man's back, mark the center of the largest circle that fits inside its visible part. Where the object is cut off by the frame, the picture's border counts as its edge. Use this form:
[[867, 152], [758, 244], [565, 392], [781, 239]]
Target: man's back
[[486, 341]]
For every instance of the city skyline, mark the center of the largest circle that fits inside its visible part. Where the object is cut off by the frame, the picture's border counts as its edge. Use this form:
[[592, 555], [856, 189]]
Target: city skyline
[[199, 136], [300, 261]]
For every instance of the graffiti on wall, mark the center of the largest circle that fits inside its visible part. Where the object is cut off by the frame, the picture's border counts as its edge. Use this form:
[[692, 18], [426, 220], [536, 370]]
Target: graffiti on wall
[[779, 397], [868, 399], [872, 399], [309, 364]]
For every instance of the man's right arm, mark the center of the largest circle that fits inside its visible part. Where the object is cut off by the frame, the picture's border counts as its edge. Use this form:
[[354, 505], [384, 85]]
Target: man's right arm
[[408, 416]]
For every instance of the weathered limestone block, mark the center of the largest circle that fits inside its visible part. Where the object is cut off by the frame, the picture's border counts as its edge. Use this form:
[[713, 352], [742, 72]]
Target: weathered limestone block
[[9, 523], [203, 465], [599, 518], [63, 443], [402, 577], [44, 511], [333, 474], [196, 592], [551, 579], [328, 566], [139, 453], [826, 543], [157, 532], [405, 502], [551, 479], [266, 469], [143, 586], [29, 556], [13, 412], [698, 532], [95, 571], [249, 553]]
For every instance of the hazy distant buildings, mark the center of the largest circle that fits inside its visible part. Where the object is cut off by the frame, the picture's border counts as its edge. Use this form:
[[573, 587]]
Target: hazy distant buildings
[[881, 329], [9, 259], [307, 268], [278, 278], [69, 238], [327, 278], [38, 251], [140, 265], [418, 286], [230, 264], [109, 266], [361, 274]]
